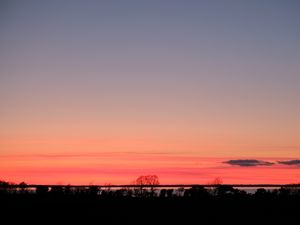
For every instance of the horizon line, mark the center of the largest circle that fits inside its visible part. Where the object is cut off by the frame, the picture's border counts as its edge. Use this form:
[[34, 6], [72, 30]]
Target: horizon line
[[160, 185]]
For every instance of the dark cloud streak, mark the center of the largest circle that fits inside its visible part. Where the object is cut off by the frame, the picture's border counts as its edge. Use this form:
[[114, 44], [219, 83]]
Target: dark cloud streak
[[248, 162], [290, 162]]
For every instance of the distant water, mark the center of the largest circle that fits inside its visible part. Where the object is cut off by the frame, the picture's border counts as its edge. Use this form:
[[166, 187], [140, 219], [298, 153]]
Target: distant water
[[252, 190]]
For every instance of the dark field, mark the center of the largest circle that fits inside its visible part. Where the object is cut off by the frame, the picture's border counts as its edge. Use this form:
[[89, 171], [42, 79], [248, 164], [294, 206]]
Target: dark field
[[195, 207]]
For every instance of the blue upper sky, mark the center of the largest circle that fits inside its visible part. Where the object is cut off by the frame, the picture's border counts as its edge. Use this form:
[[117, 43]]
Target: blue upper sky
[[159, 67]]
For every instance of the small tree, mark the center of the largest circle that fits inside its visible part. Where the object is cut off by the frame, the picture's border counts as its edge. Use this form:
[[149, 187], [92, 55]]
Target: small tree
[[4, 186], [23, 187], [4, 183], [216, 182]]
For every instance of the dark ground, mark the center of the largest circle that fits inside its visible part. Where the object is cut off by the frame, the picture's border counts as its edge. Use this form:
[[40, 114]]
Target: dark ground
[[35, 209]]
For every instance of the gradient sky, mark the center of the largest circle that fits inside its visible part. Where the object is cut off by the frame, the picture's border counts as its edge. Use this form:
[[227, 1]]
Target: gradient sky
[[105, 91]]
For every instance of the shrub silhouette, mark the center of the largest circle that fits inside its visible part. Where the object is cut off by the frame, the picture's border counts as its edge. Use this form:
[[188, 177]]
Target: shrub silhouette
[[163, 193], [93, 190], [42, 190], [170, 193], [225, 190], [196, 192]]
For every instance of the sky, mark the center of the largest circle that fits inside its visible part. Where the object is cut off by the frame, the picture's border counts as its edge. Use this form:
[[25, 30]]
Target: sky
[[95, 92]]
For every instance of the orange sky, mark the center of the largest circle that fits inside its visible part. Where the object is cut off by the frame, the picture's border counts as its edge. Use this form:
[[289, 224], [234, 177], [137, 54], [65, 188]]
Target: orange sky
[[120, 161]]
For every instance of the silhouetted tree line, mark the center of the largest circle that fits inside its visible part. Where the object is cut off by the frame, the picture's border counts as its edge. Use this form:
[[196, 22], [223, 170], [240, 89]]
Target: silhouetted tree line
[[145, 187], [147, 202]]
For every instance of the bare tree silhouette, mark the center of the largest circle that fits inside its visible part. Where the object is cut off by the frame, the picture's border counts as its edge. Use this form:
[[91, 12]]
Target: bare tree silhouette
[[147, 180]]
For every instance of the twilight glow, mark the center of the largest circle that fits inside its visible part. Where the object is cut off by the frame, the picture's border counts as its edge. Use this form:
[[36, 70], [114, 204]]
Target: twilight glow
[[105, 91]]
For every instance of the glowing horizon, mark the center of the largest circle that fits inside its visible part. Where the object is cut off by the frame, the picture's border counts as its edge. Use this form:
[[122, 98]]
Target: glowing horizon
[[125, 167]]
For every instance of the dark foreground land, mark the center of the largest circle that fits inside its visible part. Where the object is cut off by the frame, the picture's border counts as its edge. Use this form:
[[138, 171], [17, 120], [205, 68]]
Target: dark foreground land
[[196, 207]]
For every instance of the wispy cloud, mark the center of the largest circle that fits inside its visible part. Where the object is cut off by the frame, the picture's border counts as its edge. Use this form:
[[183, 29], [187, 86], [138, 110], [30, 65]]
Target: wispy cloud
[[248, 162], [290, 162]]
